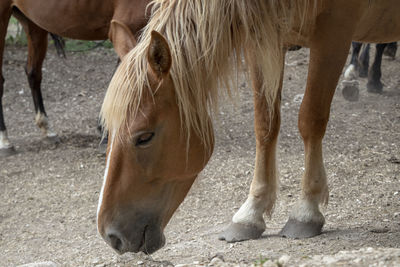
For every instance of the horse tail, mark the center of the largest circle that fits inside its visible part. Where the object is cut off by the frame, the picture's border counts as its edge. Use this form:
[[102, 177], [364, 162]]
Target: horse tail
[[59, 43]]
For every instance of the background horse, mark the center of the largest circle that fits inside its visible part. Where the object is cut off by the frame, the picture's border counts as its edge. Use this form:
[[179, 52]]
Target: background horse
[[79, 20], [159, 102], [359, 66]]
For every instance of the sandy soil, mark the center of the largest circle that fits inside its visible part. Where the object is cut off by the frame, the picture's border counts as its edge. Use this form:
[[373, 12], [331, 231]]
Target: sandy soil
[[49, 192]]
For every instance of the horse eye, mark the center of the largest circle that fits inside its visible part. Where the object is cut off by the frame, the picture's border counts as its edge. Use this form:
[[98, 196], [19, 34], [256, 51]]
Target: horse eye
[[144, 139]]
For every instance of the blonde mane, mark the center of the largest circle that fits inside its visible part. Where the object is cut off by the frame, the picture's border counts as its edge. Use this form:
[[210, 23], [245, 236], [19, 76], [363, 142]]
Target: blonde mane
[[206, 39]]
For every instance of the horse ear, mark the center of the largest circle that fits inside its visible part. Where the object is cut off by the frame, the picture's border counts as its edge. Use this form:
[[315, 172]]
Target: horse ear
[[159, 55], [122, 38]]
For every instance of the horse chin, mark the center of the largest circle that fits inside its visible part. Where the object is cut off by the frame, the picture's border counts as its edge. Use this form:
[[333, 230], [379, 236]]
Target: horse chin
[[152, 240]]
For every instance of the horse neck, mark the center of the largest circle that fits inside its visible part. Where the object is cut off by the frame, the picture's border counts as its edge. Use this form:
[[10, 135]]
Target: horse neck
[[204, 37], [206, 40]]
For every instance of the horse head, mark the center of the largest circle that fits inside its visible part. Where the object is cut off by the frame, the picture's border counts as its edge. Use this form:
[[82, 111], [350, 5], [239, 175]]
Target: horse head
[[151, 162]]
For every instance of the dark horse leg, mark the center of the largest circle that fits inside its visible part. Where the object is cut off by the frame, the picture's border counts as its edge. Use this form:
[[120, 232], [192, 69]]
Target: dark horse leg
[[391, 50], [354, 55], [374, 84], [364, 61], [102, 149], [354, 65], [37, 47], [350, 84], [6, 148]]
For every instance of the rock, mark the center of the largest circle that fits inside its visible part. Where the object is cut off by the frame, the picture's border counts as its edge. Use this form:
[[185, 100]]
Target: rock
[[216, 262], [283, 260], [298, 98]]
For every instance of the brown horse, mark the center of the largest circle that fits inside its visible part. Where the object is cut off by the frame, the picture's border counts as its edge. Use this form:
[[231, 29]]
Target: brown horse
[[159, 102], [118, 20]]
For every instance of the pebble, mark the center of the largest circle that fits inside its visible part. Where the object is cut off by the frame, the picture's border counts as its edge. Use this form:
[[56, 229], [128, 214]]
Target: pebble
[[283, 260], [216, 262], [298, 98]]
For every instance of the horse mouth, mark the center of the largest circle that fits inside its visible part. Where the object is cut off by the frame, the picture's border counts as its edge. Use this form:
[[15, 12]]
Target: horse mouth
[[141, 235]]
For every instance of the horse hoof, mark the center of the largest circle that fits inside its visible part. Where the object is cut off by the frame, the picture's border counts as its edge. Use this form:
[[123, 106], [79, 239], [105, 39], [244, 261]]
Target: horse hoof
[[53, 139], [298, 230], [239, 232], [350, 90], [6, 152], [375, 88]]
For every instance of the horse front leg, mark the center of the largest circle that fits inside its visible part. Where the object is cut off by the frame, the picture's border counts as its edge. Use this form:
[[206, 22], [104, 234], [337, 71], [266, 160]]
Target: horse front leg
[[327, 58], [37, 47], [352, 69], [374, 84], [364, 61], [6, 148], [350, 90], [248, 222], [391, 50]]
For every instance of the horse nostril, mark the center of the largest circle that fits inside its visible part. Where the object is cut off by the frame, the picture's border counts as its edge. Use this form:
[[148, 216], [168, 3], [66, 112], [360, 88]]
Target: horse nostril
[[115, 242]]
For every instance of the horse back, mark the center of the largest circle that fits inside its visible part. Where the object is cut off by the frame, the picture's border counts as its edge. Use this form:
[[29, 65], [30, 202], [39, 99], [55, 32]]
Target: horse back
[[369, 21], [85, 19], [379, 23]]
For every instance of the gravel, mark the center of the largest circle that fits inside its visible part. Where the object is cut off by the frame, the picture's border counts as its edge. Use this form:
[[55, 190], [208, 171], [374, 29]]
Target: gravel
[[49, 192]]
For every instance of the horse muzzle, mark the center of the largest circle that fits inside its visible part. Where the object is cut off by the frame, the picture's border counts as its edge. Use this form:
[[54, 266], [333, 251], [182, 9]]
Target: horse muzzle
[[143, 235]]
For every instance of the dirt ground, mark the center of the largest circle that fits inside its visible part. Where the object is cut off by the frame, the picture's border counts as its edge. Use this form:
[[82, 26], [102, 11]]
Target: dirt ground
[[49, 192]]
